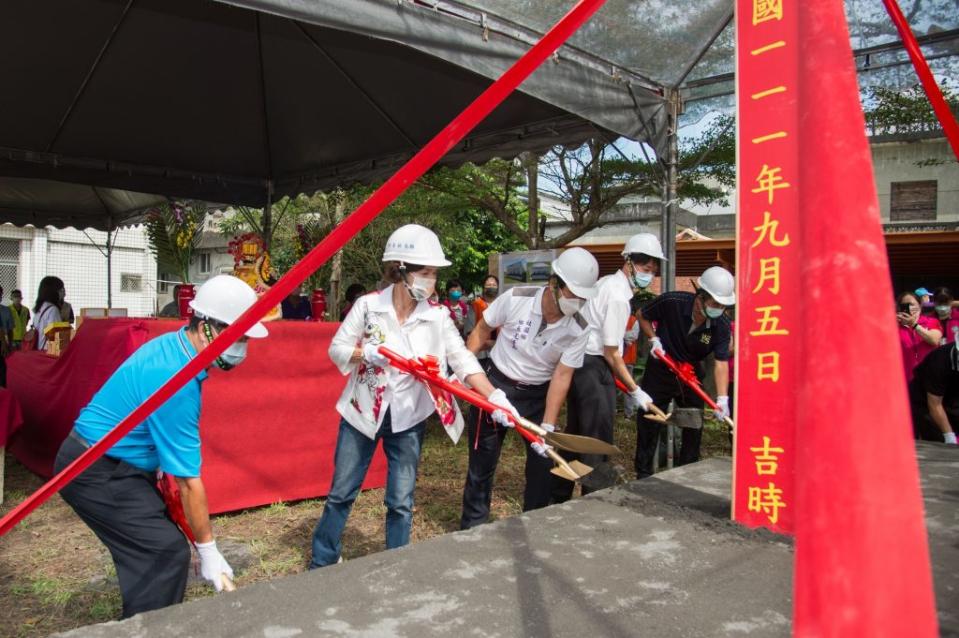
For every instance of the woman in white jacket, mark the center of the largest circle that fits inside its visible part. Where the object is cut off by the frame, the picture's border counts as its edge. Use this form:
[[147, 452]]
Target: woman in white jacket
[[380, 402]]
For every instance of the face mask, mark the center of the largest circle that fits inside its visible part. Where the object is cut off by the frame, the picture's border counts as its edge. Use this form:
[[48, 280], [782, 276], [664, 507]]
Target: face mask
[[943, 311], [490, 292], [642, 279], [422, 288], [232, 356], [713, 313], [63, 295], [928, 308], [569, 307], [455, 295]]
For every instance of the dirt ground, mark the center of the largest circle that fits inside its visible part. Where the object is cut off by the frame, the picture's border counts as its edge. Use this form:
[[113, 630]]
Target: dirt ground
[[55, 575]]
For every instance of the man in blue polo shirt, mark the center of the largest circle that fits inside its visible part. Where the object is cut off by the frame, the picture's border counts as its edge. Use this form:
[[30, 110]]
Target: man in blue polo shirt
[[689, 327], [117, 496]]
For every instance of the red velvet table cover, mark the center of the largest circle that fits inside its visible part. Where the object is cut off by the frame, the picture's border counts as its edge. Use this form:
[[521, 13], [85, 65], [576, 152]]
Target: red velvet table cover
[[268, 427], [10, 417]]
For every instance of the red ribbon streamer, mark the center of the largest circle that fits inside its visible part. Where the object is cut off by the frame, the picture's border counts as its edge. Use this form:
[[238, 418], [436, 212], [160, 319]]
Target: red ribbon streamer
[[435, 149], [939, 105]]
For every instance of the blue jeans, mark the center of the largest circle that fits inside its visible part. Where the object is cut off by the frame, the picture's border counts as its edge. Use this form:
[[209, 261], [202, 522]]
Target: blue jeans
[[354, 451]]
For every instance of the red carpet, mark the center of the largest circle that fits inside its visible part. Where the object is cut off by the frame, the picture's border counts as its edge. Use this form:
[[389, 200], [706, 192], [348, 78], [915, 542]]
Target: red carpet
[[269, 427]]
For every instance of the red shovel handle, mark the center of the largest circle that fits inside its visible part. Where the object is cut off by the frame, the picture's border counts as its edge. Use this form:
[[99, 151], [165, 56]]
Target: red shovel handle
[[425, 371]]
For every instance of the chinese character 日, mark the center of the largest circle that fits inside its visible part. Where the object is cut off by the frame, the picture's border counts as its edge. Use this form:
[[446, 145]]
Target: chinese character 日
[[767, 366]]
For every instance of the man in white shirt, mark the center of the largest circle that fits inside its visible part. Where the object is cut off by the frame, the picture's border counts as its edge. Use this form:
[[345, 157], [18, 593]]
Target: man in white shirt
[[592, 396], [542, 340]]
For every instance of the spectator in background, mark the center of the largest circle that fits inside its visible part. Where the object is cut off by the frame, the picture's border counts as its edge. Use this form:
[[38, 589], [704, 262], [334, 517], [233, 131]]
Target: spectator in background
[[296, 307], [947, 315], [478, 307], [46, 310], [172, 309], [454, 302], [934, 395], [21, 317], [918, 334], [66, 312], [923, 295], [354, 292]]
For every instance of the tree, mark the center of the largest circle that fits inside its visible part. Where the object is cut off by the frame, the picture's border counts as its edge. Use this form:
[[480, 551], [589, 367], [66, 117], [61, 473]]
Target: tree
[[592, 179]]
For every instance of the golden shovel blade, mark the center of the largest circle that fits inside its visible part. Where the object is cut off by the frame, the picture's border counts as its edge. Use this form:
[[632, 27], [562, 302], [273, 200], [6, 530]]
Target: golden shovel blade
[[227, 582], [581, 444], [655, 414], [572, 470]]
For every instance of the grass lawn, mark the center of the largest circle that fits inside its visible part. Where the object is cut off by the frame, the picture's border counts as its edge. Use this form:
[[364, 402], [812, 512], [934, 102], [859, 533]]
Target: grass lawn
[[55, 575]]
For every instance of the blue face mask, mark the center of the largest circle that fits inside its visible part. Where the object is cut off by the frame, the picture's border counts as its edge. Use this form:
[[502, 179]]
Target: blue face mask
[[455, 295], [642, 279], [714, 313]]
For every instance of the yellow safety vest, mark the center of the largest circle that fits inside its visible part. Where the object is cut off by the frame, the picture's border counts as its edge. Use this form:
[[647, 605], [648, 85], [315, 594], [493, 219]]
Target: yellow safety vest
[[20, 319]]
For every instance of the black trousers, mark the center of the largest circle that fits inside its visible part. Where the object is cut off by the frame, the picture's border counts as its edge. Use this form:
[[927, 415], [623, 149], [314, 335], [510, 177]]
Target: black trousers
[[661, 384], [485, 443], [590, 411], [123, 507]]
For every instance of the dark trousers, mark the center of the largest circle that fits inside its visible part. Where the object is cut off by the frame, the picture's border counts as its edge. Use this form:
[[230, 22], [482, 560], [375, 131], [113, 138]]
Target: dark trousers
[[661, 384], [123, 507], [590, 411], [485, 443]]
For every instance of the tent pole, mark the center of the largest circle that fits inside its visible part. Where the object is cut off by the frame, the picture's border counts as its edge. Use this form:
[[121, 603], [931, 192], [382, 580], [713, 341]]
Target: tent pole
[[109, 263], [670, 203]]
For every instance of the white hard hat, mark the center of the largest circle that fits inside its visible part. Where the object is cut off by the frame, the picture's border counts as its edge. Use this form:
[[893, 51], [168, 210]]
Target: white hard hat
[[720, 284], [578, 270], [645, 243], [224, 298], [415, 244]]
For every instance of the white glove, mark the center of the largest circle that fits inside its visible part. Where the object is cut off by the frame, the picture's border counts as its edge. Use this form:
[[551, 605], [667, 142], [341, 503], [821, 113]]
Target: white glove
[[498, 397], [540, 448], [656, 347], [549, 427], [212, 564], [723, 402], [950, 438], [371, 355], [642, 399]]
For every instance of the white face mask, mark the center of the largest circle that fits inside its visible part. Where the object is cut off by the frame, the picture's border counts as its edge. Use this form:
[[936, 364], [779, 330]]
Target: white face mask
[[422, 288], [569, 307], [235, 354], [943, 311], [713, 313]]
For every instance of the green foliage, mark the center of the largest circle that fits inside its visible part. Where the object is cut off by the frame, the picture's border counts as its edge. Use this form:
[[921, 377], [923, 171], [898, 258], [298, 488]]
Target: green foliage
[[906, 111], [173, 233]]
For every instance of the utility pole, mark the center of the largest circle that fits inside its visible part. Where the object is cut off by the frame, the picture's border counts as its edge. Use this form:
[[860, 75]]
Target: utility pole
[[670, 188]]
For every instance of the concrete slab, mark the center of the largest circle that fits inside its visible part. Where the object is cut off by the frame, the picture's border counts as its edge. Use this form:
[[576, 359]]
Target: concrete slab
[[655, 557]]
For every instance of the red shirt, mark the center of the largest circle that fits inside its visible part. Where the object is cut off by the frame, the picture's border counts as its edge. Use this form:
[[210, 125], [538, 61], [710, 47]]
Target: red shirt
[[914, 347], [949, 327]]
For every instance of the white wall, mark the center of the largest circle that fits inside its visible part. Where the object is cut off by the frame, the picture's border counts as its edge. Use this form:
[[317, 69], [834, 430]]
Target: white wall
[[74, 257], [897, 162]]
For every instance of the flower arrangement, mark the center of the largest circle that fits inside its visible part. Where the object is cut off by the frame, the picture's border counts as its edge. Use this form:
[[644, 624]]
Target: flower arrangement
[[173, 233]]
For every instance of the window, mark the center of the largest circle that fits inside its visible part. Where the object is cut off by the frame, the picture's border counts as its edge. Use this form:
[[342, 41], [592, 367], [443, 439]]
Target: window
[[162, 286], [131, 283], [204, 263], [9, 263], [913, 201]]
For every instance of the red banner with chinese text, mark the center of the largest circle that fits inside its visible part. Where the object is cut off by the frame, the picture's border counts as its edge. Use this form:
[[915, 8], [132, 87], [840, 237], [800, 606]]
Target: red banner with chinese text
[[766, 348]]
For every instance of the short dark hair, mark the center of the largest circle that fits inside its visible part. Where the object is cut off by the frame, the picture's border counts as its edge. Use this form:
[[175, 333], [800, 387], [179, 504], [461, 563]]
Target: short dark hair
[[196, 320], [394, 274], [942, 296], [16, 291], [453, 283], [641, 259], [907, 293], [493, 277], [560, 284], [354, 291]]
